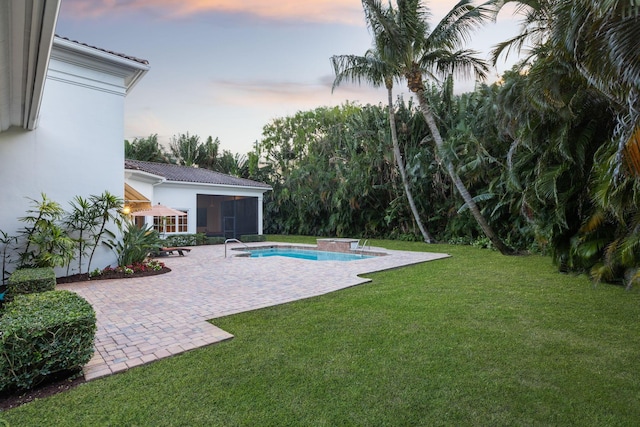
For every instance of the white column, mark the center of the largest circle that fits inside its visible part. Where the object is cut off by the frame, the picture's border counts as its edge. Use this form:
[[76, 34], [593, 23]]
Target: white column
[[260, 199]]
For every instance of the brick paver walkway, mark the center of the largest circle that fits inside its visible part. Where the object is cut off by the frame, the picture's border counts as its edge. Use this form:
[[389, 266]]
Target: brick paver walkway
[[146, 319]]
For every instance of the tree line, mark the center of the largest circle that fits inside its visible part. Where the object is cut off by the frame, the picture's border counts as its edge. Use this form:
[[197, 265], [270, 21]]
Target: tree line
[[187, 150]]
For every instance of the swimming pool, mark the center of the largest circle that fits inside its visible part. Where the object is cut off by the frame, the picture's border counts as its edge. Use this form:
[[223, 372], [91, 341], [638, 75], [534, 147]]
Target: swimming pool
[[308, 254]]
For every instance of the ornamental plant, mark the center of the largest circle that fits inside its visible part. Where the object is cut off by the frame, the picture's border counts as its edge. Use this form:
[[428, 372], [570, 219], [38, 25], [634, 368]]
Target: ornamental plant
[[135, 245], [44, 242], [138, 267]]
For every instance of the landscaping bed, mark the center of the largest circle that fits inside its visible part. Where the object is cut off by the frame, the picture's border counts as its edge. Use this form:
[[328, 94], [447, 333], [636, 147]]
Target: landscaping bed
[[66, 380], [58, 383], [110, 274]]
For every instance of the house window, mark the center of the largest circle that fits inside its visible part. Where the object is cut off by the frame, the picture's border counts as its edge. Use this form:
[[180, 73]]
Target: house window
[[181, 222], [171, 224]]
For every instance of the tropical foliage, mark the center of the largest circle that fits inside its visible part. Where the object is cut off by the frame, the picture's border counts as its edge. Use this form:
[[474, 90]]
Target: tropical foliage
[[414, 51], [373, 68], [43, 241], [333, 172], [146, 149], [53, 237], [136, 243], [546, 160], [187, 150], [582, 83], [550, 152]]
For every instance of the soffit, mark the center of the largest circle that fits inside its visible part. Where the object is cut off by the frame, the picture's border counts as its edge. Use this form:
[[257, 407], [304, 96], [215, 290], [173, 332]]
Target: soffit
[[133, 195], [26, 36], [127, 70], [135, 200]]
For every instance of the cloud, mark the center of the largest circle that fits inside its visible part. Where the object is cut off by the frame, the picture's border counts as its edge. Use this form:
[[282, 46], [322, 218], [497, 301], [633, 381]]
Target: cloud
[[322, 11], [294, 95]]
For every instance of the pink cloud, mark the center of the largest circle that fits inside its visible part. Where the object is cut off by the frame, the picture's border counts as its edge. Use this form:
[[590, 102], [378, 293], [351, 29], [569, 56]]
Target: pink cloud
[[324, 11], [281, 95]]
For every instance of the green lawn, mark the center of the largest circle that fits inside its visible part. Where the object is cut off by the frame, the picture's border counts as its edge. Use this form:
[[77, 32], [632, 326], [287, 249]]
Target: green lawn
[[476, 339]]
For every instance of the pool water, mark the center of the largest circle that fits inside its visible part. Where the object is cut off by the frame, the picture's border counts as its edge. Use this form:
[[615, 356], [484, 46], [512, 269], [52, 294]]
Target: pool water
[[308, 254]]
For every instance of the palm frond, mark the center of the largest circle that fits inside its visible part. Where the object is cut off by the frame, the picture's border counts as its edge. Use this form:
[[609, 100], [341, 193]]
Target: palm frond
[[356, 69], [600, 272], [630, 250], [593, 222], [461, 63], [611, 252], [478, 198], [632, 277], [534, 27], [454, 30], [632, 152], [589, 248]]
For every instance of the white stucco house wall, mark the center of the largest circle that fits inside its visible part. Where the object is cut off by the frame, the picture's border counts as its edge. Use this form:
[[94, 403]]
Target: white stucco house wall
[[216, 204], [61, 114]]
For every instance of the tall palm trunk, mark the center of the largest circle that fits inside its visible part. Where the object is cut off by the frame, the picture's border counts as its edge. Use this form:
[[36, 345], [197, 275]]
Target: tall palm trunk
[[462, 189], [403, 173]]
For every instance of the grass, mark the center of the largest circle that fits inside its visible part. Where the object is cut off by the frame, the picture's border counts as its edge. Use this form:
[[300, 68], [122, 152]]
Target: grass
[[476, 339]]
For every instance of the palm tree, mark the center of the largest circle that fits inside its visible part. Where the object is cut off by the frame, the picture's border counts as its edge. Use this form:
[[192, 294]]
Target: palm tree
[[147, 149], [602, 37], [185, 149], [535, 27], [596, 43], [412, 50], [372, 68]]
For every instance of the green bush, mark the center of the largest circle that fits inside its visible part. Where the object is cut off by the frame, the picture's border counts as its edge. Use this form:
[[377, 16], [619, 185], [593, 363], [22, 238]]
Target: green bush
[[135, 244], [215, 240], [247, 238], [185, 240], [43, 334], [31, 280]]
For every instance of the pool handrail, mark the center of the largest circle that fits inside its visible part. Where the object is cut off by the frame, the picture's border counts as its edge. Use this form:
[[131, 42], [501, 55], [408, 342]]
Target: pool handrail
[[230, 241], [362, 247]]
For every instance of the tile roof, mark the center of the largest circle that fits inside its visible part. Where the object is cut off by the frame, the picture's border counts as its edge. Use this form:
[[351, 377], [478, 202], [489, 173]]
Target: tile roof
[[190, 174], [122, 55]]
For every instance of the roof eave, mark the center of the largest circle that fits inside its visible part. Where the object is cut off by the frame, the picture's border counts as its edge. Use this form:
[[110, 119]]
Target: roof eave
[[144, 176], [209, 184], [132, 71], [25, 48]]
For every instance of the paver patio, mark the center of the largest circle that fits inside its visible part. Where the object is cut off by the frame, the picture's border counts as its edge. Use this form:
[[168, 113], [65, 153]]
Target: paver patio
[[145, 319]]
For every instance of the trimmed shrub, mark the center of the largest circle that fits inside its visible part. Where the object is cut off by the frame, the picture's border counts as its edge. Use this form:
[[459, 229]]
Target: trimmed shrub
[[185, 240], [201, 239], [43, 334], [215, 240], [247, 238], [31, 280]]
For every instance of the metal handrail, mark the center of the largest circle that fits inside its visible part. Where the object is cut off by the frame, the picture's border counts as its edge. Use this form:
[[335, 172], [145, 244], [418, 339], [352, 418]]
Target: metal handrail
[[362, 247], [232, 240]]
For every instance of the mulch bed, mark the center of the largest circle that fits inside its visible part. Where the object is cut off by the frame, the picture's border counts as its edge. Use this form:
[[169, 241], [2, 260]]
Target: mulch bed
[[56, 384], [68, 379], [109, 275]]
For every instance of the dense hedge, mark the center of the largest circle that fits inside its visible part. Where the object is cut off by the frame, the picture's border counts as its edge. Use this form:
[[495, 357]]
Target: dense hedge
[[202, 239], [30, 280], [43, 334], [185, 240]]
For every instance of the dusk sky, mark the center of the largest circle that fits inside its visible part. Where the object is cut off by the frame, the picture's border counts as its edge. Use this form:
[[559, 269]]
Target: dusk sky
[[226, 68]]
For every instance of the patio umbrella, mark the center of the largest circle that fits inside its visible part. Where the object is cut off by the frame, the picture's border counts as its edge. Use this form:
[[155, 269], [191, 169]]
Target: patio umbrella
[[158, 210], [161, 211]]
